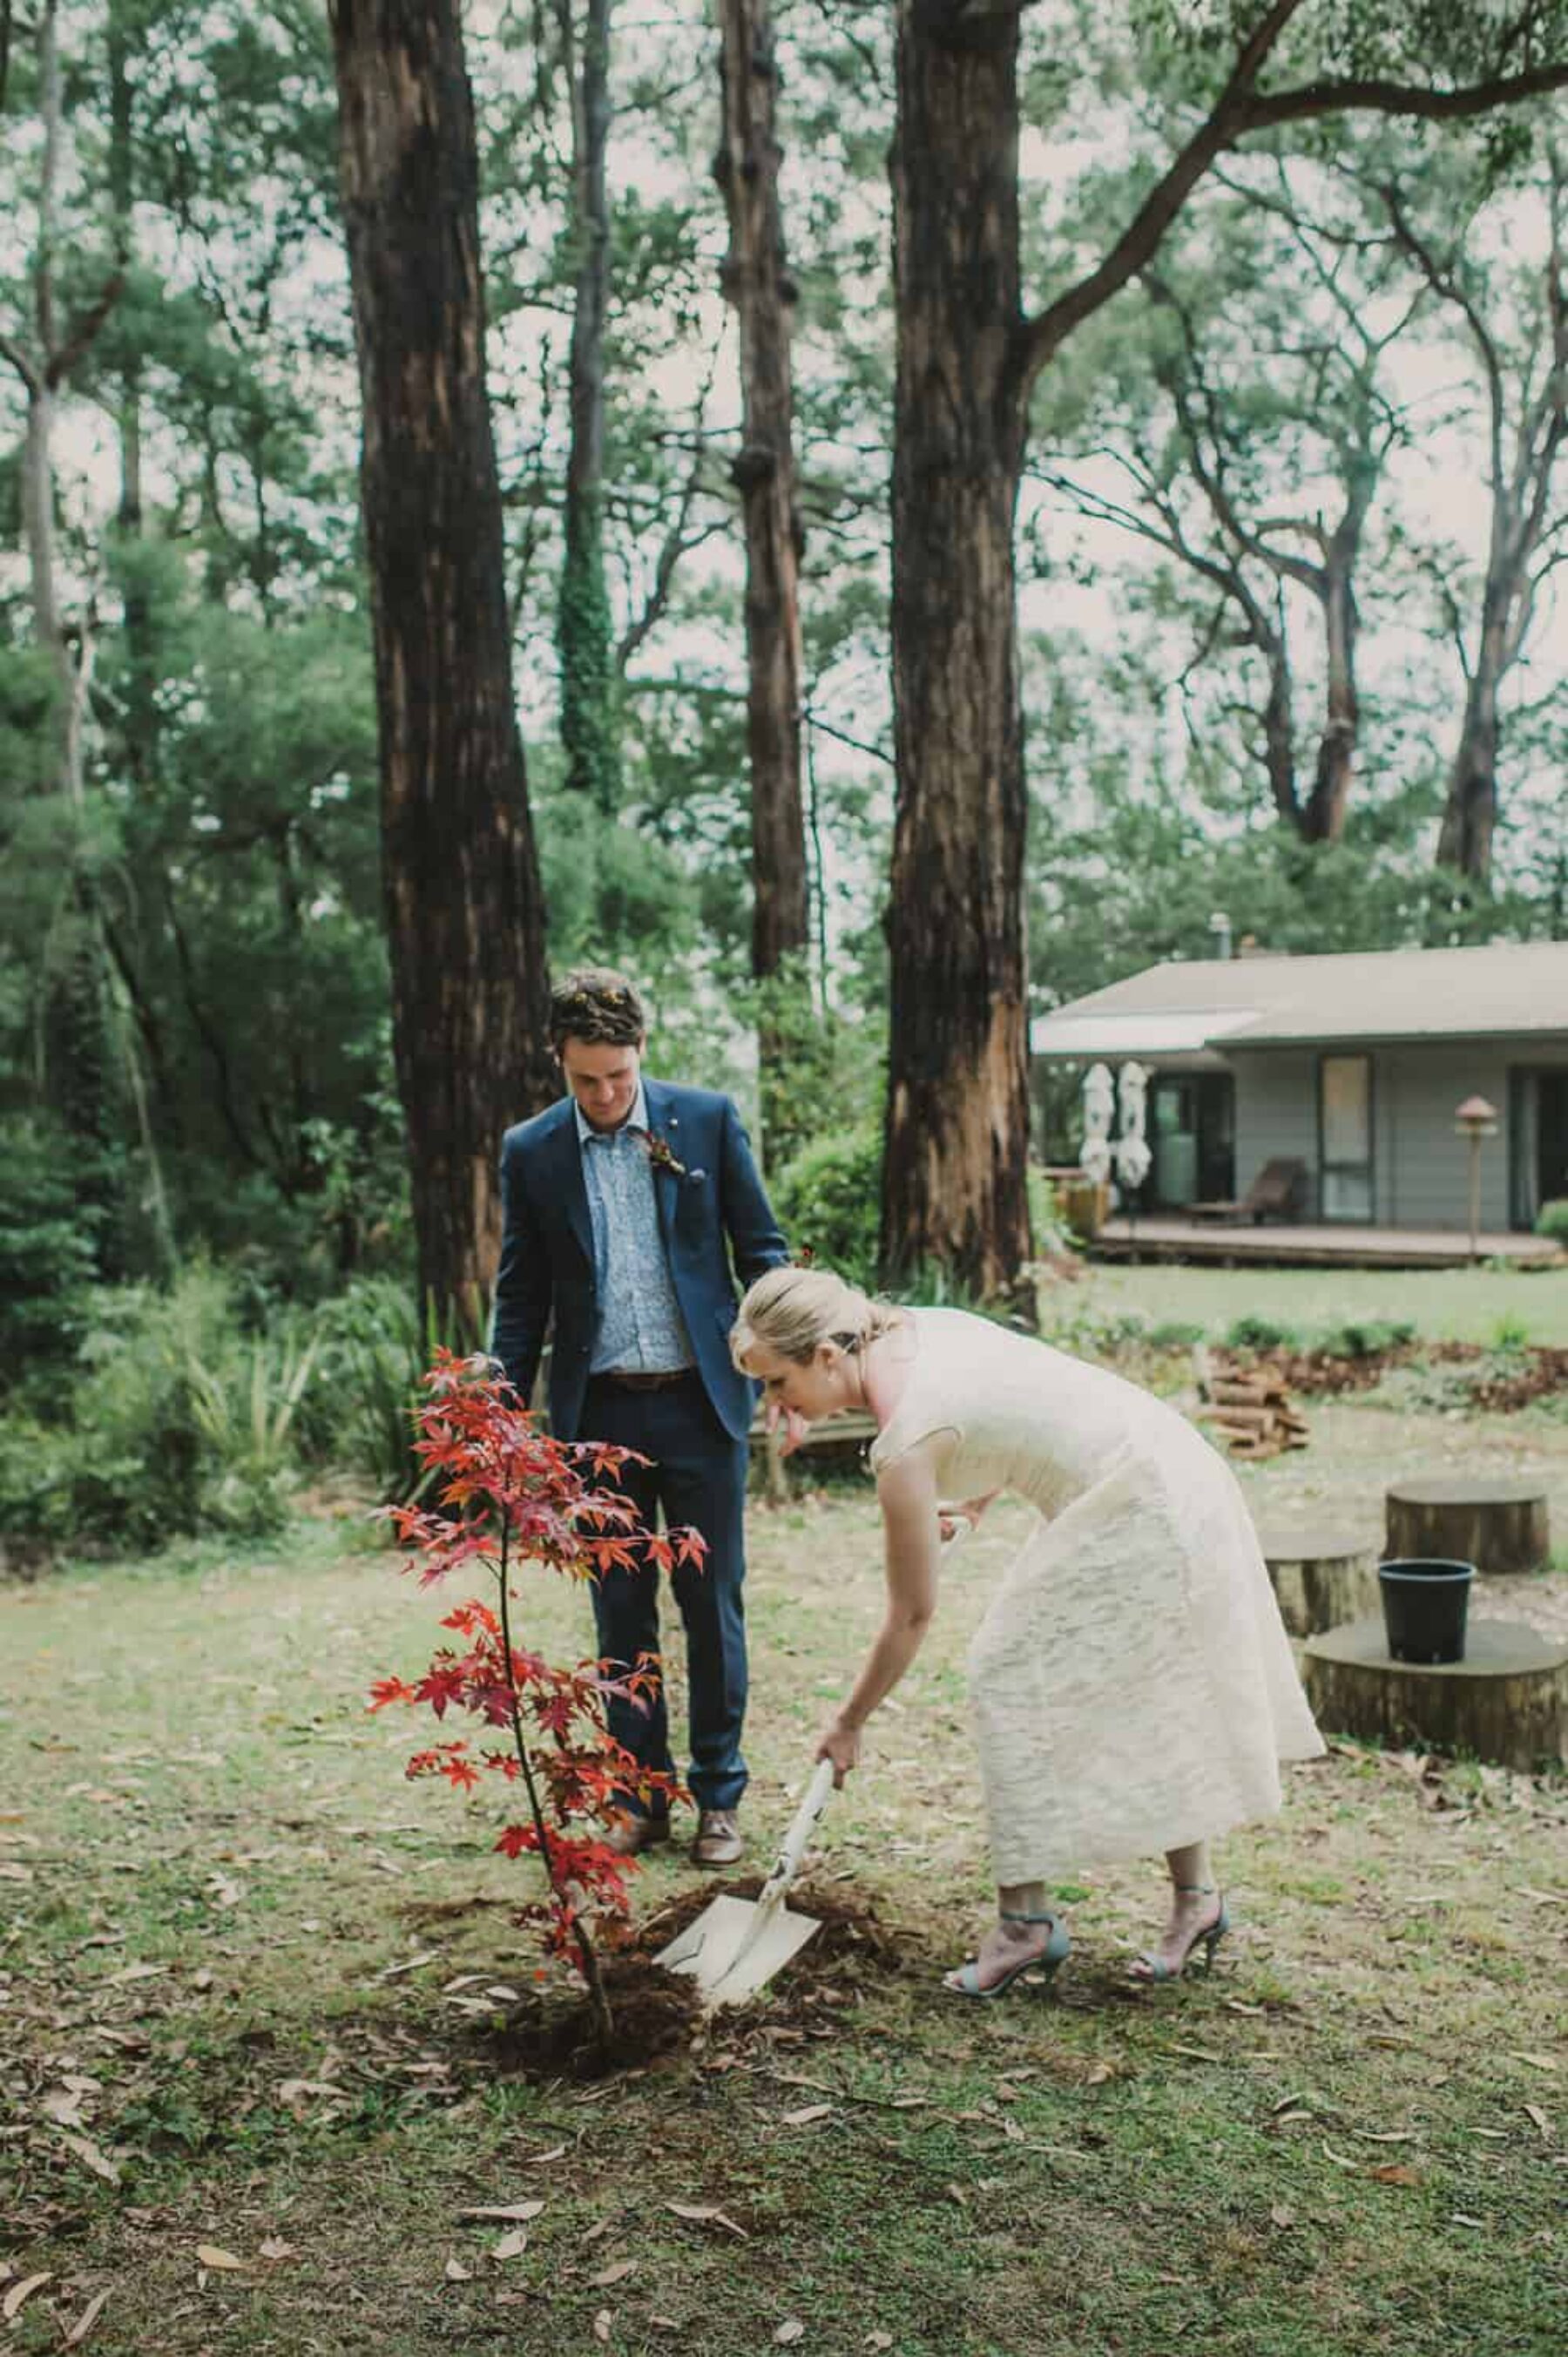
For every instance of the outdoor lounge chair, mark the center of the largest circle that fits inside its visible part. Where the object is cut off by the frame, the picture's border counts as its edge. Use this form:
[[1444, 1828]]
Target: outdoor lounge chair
[[1278, 1192]]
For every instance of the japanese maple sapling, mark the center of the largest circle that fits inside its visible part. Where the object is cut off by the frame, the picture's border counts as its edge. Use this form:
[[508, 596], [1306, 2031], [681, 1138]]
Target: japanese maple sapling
[[509, 1497]]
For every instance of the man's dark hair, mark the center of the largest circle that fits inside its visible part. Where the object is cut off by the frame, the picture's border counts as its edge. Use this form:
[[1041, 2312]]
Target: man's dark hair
[[597, 1005]]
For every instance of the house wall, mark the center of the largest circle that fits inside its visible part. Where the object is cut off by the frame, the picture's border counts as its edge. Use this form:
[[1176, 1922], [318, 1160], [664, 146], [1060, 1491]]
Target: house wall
[[1421, 1175]]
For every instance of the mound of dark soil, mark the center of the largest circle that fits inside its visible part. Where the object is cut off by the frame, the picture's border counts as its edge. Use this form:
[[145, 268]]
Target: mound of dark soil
[[659, 2015]]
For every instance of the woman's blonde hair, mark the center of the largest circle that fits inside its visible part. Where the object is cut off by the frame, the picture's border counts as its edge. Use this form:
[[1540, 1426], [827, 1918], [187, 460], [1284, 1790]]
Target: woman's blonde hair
[[794, 1310]]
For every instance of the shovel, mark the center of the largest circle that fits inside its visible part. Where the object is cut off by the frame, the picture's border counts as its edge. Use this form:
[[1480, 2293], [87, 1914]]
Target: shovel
[[737, 1944]]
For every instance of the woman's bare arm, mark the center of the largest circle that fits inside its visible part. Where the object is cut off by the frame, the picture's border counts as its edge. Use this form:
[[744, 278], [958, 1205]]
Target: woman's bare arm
[[907, 1495]]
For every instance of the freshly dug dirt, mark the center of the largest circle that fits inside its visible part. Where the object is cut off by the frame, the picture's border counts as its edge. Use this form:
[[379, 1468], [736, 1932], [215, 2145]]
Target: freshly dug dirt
[[659, 2015]]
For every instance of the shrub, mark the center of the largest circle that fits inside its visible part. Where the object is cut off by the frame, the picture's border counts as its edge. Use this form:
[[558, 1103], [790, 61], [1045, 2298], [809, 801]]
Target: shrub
[[1175, 1334], [1365, 1337], [1049, 1228], [47, 1252], [1255, 1334], [174, 1421], [829, 1198], [359, 1411], [1551, 1220]]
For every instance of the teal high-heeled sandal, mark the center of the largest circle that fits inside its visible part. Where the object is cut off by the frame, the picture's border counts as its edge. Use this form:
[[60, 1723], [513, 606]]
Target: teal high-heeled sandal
[[1154, 1969], [1048, 1961]]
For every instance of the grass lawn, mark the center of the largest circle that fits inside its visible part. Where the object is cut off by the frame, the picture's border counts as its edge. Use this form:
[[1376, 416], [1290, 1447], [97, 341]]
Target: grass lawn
[[246, 1972], [1461, 1305]]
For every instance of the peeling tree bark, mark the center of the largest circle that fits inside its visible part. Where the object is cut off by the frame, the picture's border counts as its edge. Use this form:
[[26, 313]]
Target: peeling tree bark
[[758, 282], [584, 641], [465, 910], [954, 1189]]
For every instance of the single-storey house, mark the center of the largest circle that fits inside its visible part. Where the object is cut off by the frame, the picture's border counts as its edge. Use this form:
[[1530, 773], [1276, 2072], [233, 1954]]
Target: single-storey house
[[1352, 1067]]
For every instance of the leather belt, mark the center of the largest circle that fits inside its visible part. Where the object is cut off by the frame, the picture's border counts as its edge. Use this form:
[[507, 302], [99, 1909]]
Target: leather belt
[[633, 1379]]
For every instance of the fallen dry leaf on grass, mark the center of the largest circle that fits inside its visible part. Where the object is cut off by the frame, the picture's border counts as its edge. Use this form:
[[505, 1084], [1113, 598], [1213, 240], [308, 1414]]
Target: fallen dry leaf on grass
[[1538, 2061], [11, 1872], [87, 2152], [211, 2255], [806, 2115], [1543, 2121], [1396, 2172], [879, 2340], [274, 2248], [602, 2325], [699, 2215], [456, 2271], [137, 1973], [20, 2293], [1281, 2214], [512, 2245], [300, 2091], [538, 2160], [86, 2320], [790, 2330], [411, 1964], [501, 2212], [618, 2273]]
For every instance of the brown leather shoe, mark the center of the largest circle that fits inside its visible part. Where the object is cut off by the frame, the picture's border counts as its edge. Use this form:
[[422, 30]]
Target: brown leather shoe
[[718, 1841], [631, 1832]]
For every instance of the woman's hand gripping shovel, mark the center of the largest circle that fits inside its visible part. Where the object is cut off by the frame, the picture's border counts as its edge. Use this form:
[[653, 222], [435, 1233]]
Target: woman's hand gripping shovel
[[737, 1944]]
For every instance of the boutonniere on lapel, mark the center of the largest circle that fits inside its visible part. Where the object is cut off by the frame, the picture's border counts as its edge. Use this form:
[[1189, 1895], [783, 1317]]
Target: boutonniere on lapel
[[663, 1156]]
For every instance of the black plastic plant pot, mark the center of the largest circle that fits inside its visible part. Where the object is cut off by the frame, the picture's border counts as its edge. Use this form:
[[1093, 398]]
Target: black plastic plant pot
[[1424, 1608]]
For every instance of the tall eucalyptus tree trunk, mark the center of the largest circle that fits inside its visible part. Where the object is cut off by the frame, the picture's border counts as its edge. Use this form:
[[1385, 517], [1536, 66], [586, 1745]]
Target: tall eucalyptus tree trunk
[[758, 282], [955, 1186], [465, 910], [584, 643]]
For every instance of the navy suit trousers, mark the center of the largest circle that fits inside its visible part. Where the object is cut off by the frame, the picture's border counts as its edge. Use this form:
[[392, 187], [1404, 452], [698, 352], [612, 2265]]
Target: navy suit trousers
[[697, 1476]]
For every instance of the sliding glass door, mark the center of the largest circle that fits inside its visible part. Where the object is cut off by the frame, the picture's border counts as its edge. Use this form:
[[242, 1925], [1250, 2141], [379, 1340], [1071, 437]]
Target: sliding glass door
[[1345, 1137]]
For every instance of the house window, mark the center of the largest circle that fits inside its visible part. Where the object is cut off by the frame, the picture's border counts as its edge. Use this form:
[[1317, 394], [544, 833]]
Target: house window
[[1345, 1137]]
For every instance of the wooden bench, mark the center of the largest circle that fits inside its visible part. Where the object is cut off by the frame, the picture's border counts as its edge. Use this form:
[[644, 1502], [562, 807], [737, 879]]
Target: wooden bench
[[839, 1438]]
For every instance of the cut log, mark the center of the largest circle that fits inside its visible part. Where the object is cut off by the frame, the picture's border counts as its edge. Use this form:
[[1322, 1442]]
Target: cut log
[[1320, 1577], [1498, 1526], [1505, 1702]]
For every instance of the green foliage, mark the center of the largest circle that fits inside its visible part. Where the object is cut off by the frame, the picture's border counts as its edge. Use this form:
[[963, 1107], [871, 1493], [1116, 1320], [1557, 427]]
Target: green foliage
[[1048, 1229], [173, 1421], [828, 1199], [1551, 1220], [46, 1253], [359, 1413], [1252, 1332], [1363, 1338]]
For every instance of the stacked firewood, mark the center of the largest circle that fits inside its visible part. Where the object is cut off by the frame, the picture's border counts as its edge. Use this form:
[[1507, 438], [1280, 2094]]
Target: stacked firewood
[[1248, 1407]]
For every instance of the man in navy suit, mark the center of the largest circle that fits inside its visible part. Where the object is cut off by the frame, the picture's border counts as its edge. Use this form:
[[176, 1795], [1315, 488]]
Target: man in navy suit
[[624, 1206]]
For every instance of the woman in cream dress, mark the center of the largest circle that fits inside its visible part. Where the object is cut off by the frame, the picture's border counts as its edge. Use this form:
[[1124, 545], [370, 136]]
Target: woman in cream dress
[[1132, 1687]]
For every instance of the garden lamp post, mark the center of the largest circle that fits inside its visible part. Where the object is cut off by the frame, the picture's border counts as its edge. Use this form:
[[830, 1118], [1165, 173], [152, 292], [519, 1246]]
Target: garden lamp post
[[1475, 1119]]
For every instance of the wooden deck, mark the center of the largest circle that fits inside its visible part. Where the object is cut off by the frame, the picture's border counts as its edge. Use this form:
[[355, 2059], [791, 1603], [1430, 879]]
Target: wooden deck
[[1299, 1245]]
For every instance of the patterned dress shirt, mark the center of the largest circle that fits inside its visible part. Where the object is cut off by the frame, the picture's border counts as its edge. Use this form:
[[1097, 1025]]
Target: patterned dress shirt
[[641, 1330]]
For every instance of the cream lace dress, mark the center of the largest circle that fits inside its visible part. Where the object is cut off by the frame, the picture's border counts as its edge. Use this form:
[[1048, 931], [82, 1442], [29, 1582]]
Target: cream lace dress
[[1132, 1687]]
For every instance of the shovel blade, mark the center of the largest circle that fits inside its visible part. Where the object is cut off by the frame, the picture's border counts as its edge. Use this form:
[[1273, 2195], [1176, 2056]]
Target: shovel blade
[[710, 1948]]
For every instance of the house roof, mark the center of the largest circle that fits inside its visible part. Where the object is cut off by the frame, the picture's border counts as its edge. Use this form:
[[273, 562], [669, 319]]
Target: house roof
[[1513, 989]]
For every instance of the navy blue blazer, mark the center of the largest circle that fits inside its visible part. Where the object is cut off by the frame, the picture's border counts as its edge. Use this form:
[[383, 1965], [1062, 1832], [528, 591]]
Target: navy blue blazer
[[715, 1209]]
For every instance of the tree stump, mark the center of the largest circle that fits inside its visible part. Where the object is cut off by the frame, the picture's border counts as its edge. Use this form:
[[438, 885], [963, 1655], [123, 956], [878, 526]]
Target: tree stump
[[1498, 1526], [1320, 1578], [1507, 1702]]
